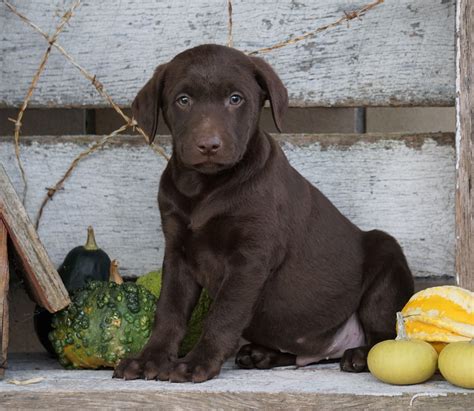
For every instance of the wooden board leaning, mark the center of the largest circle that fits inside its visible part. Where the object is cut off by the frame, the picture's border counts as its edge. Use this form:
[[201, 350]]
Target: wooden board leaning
[[41, 276]]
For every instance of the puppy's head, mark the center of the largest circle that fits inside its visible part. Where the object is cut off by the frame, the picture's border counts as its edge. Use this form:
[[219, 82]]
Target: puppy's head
[[211, 97]]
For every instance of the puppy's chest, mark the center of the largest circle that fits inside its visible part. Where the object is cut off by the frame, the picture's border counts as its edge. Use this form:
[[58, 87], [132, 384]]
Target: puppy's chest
[[207, 250]]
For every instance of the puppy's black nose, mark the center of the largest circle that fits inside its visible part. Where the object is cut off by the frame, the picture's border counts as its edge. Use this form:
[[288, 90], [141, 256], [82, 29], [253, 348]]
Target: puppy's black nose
[[209, 145]]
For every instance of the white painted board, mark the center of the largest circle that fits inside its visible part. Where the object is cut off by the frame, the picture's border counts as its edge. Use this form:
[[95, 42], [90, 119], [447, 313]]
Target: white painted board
[[401, 184], [400, 53], [321, 386]]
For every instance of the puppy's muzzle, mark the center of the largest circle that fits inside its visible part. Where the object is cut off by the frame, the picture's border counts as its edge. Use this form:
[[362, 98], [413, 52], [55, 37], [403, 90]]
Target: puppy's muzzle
[[209, 146]]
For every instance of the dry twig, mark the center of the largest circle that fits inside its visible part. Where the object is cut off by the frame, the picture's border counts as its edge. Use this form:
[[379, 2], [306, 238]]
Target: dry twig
[[59, 185], [347, 17], [92, 78], [230, 39], [100, 89], [64, 19]]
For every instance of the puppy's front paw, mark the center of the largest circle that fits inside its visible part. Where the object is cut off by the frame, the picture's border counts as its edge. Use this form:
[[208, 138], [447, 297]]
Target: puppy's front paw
[[191, 369], [147, 365], [355, 359]]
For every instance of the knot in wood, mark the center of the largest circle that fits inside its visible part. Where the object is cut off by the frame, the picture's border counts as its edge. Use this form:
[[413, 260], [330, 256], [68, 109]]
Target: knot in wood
[[51, 191], [97, 83]]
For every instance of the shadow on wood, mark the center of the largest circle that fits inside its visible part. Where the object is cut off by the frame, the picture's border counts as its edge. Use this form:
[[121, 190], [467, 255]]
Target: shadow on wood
[[4, 277]]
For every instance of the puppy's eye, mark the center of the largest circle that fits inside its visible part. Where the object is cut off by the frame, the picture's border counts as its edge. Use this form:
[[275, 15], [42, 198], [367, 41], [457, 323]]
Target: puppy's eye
[[235, 99], [183, 101]]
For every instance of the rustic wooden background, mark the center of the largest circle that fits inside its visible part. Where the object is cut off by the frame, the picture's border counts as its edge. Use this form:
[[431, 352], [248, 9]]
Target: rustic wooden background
[[400, 53], [403, 185]]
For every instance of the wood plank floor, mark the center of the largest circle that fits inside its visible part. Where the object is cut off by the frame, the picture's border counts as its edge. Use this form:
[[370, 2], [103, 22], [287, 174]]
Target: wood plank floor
[[312, 387]]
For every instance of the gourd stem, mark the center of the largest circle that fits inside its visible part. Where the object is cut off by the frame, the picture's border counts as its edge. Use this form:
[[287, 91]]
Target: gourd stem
[[91, 245], [114, 275], [401, 331]]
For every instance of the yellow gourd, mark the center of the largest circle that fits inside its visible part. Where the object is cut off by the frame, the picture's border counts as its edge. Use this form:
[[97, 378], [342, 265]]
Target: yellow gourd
[[440, 315], [402, 361], [456, 363]]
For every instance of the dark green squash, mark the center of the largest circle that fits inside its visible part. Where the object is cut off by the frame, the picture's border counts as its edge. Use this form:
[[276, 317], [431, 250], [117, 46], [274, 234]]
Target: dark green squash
[[42, 320], [105, 322], [82, 264]]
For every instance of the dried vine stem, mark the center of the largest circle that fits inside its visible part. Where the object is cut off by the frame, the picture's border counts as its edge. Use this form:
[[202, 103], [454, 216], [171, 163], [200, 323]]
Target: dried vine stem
[[230, 39], [59, 185], [347, 17], [64, 19], [92, 78], [81, 156], [100, 89]]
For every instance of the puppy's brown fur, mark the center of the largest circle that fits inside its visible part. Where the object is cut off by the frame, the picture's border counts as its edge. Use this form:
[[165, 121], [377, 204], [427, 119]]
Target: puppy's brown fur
[[285, 268]]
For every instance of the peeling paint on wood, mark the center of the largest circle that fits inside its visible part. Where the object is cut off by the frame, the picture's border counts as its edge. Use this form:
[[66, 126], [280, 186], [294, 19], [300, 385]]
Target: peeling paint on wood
[[378, 183], [399, 53], [337, 141]]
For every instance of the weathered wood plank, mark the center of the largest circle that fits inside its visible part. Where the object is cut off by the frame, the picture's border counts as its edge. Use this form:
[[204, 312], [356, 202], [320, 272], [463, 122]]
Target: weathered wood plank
[[43, 279], [158, 400], [399, 53], [313, 387], [4, 279], [400, 183], [465, 146]]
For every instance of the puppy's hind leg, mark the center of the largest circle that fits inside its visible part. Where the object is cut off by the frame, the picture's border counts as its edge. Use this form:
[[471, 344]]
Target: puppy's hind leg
[[387, 286], [257, 356]]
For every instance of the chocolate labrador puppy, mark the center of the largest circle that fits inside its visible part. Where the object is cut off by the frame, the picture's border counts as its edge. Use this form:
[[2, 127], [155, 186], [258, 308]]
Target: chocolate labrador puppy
[[286, 270]]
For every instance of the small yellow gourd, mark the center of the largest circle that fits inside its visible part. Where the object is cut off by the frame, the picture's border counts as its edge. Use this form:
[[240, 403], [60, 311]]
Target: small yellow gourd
[[440, 315], [402, 361], [456, 363]]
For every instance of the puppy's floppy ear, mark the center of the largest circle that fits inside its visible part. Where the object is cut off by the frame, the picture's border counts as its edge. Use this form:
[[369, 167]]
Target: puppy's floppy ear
[[273, 86], [147, 103]]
